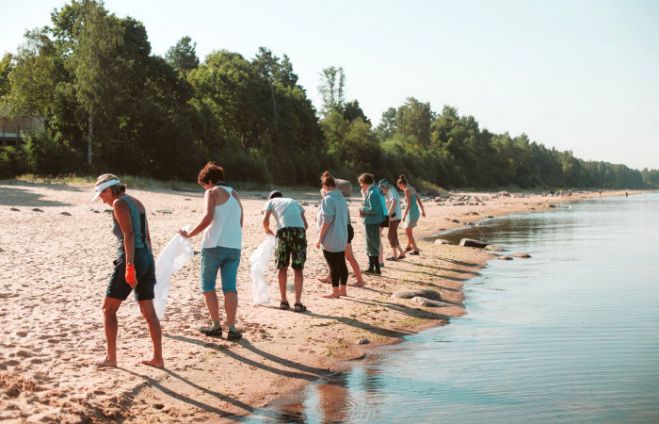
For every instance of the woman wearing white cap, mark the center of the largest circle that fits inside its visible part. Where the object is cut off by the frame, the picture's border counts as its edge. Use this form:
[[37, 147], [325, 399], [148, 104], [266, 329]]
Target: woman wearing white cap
[[133, 269]]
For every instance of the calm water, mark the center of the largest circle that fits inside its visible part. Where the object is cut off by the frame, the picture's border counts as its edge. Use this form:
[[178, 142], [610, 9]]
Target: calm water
[[570, 335]]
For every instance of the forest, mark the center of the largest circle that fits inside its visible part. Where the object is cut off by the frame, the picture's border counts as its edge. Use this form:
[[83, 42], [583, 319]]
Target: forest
[[109, 104]]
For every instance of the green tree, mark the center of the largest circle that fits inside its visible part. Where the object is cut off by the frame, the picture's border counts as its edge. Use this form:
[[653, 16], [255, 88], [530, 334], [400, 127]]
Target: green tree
[[332, 88], [183, 56]]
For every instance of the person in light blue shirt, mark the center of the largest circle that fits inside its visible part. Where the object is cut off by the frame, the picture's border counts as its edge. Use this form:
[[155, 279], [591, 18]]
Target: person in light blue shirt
[[333, 235]]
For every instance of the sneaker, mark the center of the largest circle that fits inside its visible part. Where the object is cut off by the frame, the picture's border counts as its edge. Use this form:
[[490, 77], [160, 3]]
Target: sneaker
[[234, 335], [211, 330]]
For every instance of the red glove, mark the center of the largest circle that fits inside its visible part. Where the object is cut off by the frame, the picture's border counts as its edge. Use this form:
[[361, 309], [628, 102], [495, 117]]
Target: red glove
[[131, 278]]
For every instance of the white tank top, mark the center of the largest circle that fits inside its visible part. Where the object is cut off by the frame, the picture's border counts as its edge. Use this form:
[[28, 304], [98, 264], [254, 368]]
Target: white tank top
[[225, 229]]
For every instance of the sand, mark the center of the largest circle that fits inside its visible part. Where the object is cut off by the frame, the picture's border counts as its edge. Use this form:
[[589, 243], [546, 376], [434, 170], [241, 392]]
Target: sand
[[56, 252]]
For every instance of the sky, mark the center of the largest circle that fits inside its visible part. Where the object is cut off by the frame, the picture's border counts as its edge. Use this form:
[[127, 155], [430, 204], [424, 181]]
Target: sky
[[579, 75]]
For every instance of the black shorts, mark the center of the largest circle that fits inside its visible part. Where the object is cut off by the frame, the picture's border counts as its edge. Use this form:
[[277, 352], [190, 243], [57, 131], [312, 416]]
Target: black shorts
[[145, 269], [351, 233]]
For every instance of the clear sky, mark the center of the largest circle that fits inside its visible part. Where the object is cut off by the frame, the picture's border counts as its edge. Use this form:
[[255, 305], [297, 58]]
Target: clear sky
[[580, 75]]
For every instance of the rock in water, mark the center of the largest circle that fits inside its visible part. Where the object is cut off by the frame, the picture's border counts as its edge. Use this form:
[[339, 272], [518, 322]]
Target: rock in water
[[344, 186], [427, 302], [520, 255], [494, 248], [442, 241], [505, 258], [363, 341], [467, 242], [409, 294]]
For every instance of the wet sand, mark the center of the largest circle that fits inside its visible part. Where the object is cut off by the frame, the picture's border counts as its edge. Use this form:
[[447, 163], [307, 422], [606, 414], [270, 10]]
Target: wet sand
[[56, 252]]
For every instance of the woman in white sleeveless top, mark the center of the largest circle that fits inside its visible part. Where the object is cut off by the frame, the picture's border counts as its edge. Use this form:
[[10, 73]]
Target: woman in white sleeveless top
[[221, 244]]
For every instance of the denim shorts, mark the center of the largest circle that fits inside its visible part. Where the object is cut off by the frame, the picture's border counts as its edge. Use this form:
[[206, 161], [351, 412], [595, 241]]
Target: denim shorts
[[224, 259]]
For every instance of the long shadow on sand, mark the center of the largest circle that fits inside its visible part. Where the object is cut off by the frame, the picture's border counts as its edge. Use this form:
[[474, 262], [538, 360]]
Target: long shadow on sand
[[310, 374], [412, 312], [14, 196], [194, 402]]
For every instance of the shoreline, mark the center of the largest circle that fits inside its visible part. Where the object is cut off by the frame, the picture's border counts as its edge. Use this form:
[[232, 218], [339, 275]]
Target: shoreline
[[206, 379]]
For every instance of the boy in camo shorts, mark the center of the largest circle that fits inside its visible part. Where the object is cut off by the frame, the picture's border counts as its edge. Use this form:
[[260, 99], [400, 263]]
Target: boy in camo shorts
[[291, 247]]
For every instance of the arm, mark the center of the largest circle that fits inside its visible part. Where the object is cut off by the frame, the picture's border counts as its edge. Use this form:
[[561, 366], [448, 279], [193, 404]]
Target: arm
[[122, 215], [266, 223], [321, 235], [235, 195], [392, 206], [368, 208], [207, 218], [306, 226], [407, 203], [418, 200]]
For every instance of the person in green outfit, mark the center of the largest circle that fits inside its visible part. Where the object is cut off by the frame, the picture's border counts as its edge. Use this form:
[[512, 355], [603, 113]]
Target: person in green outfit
[[411, 214], [373, 215]]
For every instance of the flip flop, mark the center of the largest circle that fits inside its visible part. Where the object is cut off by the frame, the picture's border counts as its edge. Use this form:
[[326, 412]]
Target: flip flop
[[298, 307], [392, 258], [284, 305]]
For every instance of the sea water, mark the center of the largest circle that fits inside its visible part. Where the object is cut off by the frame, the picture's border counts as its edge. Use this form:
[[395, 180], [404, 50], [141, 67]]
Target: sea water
[[570, 335]]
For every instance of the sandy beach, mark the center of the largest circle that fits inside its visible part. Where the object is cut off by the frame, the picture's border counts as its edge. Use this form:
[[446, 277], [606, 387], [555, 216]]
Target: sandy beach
[[56, 252]]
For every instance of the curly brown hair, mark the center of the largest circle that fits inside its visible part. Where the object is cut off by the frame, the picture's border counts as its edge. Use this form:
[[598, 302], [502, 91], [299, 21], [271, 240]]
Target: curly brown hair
[[210, 173]]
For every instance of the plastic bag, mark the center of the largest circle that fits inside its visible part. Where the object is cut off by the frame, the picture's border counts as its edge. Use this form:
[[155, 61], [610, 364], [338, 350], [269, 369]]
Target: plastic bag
[[176, 254], [259, 261]]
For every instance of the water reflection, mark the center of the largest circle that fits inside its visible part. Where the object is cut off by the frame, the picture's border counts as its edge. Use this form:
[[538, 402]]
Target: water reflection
[[568, 336]]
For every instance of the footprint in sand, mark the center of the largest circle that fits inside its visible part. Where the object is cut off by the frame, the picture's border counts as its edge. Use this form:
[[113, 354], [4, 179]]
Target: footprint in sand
[[8, 295], [21, 333], [23, 354]]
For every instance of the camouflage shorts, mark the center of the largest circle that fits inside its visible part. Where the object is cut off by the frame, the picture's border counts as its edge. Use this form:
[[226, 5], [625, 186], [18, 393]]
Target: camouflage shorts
[[291, 242]]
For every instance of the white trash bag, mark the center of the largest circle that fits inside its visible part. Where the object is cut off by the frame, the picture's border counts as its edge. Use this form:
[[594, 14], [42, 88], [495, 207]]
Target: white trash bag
[[176, 254], [259, 261]]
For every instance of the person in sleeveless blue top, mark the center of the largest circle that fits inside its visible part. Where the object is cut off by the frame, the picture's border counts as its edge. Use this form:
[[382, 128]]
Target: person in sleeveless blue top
[[411, 214], [134, 268]]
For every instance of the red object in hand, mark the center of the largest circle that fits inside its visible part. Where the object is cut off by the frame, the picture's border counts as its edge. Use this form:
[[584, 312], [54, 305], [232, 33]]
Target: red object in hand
[[131, 278]]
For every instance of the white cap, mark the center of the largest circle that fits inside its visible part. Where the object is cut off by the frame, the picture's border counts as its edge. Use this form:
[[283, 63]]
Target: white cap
[[102, 186]]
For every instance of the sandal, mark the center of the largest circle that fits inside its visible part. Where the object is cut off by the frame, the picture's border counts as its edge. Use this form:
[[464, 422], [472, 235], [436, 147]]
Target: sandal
[[298, 307], [401, 257], [414, 252], [392, 258], [211, 330], [284, 305], [407, 249]]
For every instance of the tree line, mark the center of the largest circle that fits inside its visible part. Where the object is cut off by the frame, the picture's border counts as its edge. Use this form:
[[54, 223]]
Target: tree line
[[108, 103]]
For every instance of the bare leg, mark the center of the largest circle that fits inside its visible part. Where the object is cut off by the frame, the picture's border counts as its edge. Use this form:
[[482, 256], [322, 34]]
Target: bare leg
[[381, 249], [354, 265], [410, 238], [111, 326], [299, 278], [343, 290], [231, 307], [212, 305], [282, 274], [149, 314]]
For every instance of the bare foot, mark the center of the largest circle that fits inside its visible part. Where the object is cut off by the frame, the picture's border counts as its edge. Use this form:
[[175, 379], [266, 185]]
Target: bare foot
[[343, 293], [107, 363], [331, 296], [324, 279], [359, 284], [156, 363]]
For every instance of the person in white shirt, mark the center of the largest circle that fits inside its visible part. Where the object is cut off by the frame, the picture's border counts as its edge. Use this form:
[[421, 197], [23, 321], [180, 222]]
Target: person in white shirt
[[221, 244], [291, 247]]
